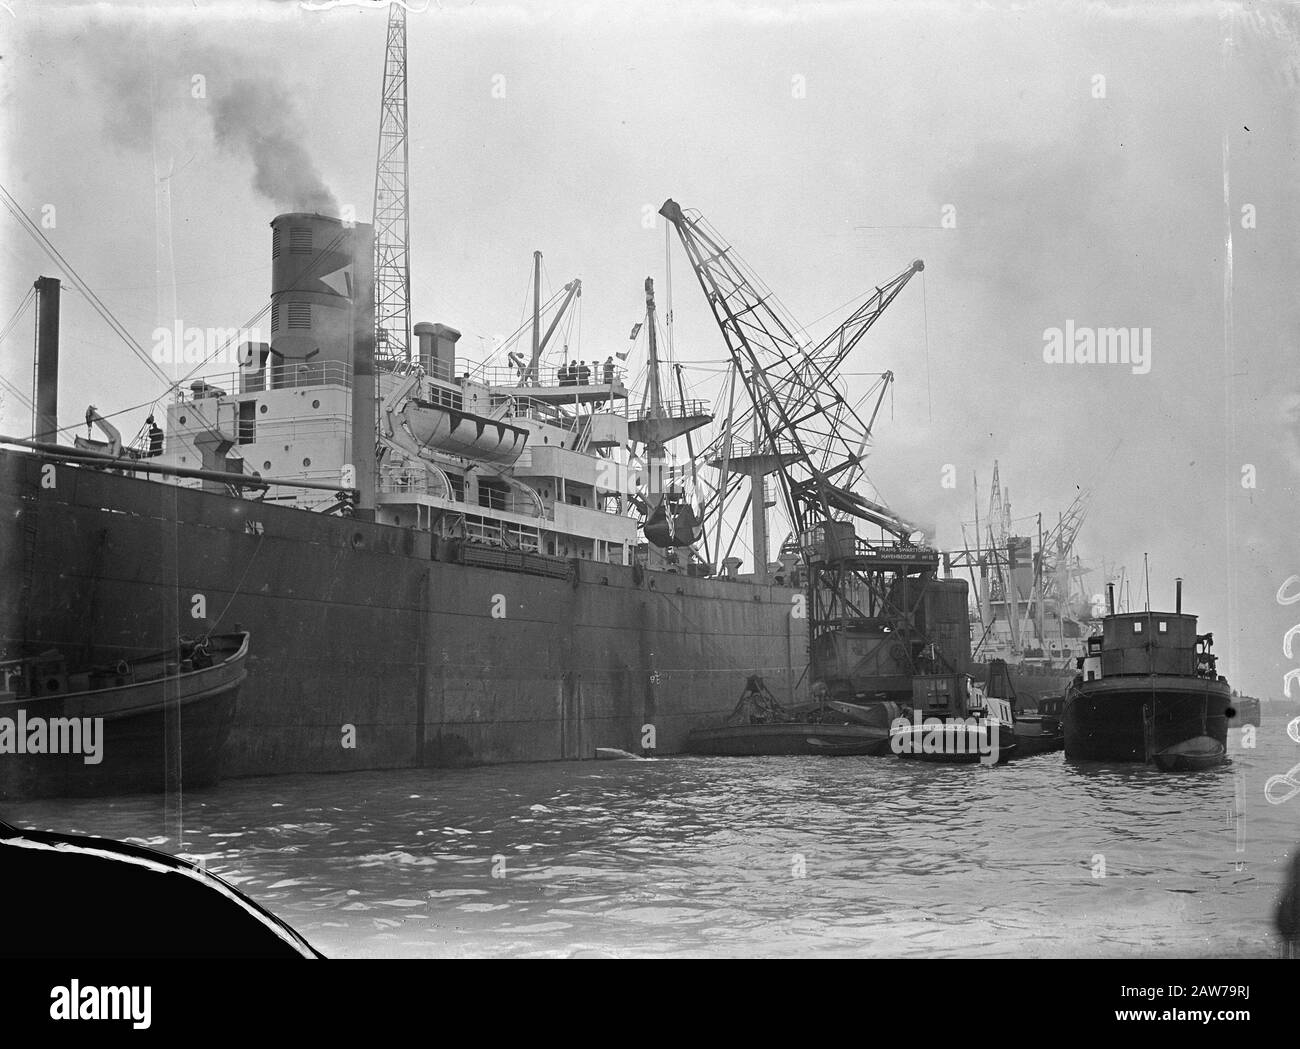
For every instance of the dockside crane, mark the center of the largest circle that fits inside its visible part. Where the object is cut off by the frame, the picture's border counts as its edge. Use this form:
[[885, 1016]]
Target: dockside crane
[[804, 420], [872, 625]]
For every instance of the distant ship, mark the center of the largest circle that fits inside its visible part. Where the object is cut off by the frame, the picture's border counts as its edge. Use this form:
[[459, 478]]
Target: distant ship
[[1245, 710], [1033, 608], [1148, 690]]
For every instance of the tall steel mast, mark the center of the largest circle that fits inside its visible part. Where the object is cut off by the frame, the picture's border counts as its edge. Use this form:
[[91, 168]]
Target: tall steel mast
[[391, 213]]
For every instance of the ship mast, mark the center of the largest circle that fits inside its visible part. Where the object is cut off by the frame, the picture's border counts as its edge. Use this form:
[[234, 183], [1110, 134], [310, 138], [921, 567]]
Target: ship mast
[[670, 522], [654, 390], [391, 211]]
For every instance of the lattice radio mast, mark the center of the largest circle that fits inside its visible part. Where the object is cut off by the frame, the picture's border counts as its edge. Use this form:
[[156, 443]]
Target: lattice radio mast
[[391, 213]]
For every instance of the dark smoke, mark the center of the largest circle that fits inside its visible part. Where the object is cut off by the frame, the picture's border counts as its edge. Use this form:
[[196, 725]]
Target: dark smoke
[[258, 119], [144, 68]]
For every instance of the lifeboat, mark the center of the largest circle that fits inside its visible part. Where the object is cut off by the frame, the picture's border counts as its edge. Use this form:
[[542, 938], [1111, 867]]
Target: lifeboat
[[463, 433]]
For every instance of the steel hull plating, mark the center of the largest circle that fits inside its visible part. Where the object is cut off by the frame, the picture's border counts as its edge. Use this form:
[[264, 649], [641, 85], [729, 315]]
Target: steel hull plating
[[1106, 720], [369, 651]]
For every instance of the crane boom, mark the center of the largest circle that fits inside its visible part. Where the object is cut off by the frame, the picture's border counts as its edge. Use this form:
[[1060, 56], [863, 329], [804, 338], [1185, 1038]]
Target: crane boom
[[797, 406]]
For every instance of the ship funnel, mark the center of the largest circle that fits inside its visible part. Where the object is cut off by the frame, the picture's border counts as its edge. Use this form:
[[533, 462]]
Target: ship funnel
[[437, 349], [1110, 599], [1178, 596], [47, 359]]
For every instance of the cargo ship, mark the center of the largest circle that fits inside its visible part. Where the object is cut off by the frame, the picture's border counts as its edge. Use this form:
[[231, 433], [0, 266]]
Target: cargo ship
[[1033, 610], [445, 560], [473, 588], [1148, 690], [438, 562]]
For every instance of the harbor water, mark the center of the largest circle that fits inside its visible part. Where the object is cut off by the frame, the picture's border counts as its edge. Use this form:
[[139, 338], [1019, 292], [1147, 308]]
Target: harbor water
[[789, 856]]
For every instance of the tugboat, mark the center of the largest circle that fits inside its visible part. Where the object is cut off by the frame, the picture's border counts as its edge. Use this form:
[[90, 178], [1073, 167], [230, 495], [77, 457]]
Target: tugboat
[[1148, 690], [955, 721]]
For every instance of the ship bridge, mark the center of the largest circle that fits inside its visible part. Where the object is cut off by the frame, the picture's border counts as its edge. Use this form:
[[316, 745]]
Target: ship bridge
[[509, 457]]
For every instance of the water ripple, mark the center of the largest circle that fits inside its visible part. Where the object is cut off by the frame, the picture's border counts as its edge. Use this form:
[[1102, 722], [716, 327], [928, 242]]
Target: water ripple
[[754, 857]]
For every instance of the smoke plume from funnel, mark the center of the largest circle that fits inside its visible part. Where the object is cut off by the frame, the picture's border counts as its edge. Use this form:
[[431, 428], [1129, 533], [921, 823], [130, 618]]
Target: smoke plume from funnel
[[257, 119]]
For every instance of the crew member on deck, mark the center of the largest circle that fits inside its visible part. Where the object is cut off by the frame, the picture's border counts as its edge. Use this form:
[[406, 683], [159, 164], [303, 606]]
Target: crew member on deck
[[609, 371], [155, 437]]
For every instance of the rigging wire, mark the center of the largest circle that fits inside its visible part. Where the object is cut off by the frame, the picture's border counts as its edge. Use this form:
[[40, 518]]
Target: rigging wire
[[34, 231], [925, 322], [18, 313]]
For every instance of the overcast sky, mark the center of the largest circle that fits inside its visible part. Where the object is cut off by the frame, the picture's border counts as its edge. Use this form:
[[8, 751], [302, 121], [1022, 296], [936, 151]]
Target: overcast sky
[[1083, 151]]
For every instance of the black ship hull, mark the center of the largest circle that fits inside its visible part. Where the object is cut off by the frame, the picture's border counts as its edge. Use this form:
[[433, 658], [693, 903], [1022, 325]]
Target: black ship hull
[[376, 646], [1132, 718]]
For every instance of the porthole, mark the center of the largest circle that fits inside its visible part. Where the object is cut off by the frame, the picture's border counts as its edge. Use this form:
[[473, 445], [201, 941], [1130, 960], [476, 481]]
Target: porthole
[[266, 465], [181, 420], [306, 462], [314, 404], [262, 409]]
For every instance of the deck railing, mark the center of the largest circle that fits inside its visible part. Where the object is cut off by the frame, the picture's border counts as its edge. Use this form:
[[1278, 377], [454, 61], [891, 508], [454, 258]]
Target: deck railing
[[272, 377]]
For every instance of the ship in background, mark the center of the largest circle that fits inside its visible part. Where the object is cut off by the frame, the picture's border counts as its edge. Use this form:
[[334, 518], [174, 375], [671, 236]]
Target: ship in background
[[441, 560], [1033, 607]]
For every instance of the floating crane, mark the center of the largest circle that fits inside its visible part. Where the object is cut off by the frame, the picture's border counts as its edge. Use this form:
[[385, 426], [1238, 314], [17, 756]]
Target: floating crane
[[870, 625]]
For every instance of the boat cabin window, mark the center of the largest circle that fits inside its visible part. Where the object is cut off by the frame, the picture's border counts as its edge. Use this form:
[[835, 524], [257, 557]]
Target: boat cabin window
[[1163, 627], [1137, 626]]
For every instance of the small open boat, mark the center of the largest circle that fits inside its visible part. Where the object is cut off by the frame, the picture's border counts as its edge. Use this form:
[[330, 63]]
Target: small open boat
[[790, 737], [876, 744], [1191, 755], [145, 724], [762, 726]]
